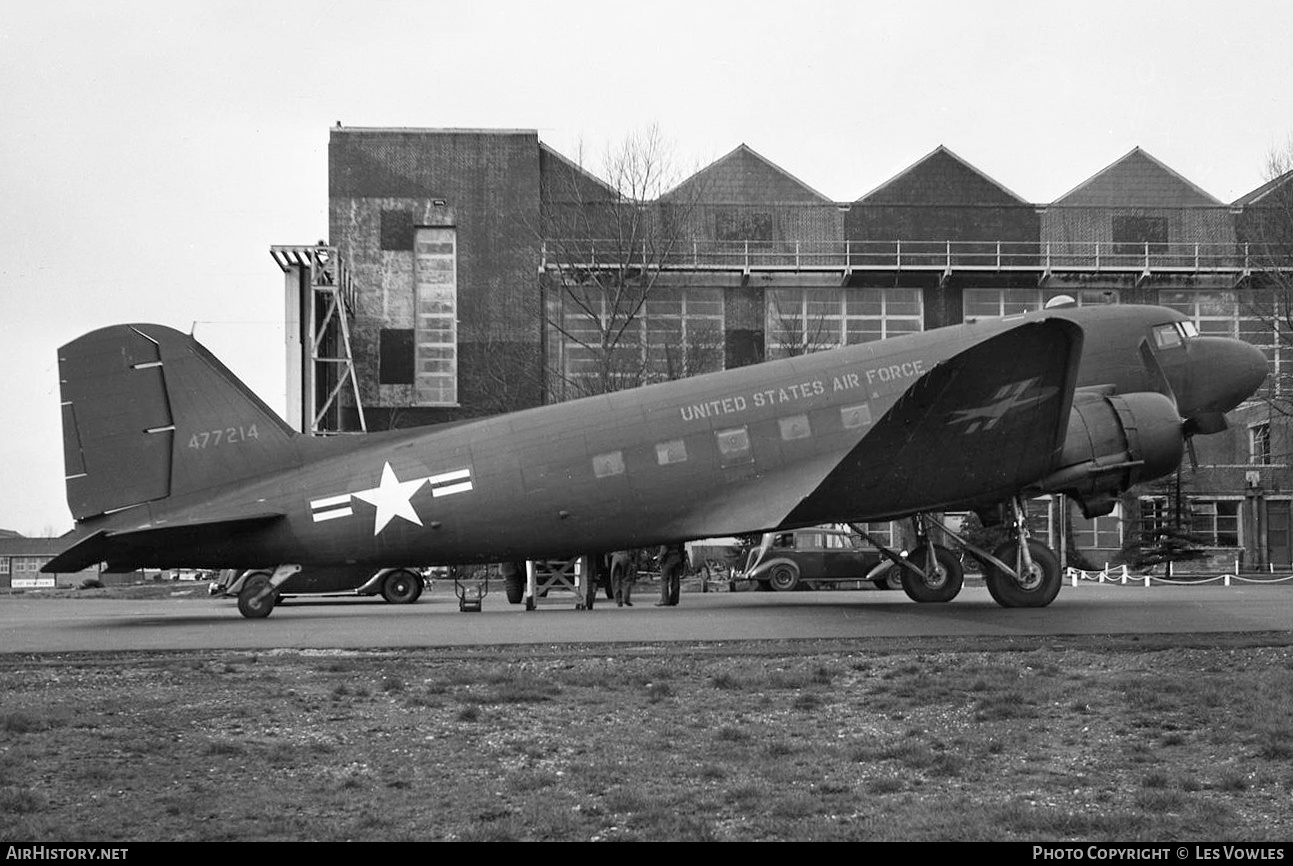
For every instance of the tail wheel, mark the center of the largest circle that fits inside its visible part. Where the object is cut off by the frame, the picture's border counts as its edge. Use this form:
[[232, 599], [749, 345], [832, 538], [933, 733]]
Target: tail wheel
[[1036, 586], [257, 597], [784, 578], [402, 587], [942, 578]]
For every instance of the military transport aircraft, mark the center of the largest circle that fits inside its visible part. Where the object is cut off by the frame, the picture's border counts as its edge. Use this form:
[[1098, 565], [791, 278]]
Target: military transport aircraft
[[173, 462]]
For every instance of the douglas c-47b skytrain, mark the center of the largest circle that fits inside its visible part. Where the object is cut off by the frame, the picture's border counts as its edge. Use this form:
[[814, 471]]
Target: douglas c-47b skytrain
[[172, 462]]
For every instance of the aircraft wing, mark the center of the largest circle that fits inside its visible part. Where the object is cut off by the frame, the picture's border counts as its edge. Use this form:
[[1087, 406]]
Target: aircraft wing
[[121, 549], [977, 428]]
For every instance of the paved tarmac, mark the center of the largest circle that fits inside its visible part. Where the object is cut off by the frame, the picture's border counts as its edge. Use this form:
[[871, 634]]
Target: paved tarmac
[[192, 621]]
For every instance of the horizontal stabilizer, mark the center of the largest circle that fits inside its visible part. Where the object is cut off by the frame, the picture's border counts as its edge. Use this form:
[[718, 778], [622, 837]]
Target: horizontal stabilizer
[[151, 546]]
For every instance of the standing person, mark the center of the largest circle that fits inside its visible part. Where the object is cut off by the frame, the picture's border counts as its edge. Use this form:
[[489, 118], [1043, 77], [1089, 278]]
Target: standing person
[[673, 559], [624, 574]]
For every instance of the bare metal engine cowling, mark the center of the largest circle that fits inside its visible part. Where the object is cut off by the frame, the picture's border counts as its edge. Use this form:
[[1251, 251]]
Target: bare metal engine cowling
[[1113, 442]]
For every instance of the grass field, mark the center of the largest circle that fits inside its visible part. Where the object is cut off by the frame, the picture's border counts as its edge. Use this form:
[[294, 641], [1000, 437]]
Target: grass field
[[1102, 740]]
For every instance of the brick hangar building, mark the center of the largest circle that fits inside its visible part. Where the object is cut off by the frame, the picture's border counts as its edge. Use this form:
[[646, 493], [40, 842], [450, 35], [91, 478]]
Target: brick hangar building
[[460, 247]]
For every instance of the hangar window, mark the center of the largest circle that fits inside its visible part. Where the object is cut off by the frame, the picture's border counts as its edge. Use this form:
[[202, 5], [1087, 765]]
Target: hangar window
[[671, 333], [1255, 316], [990, 303], [395, 347], [435, 267], [1214, 522], [4, 565], [1215, 314], [1131, 235], [673, 451], [801, 321], [1103, 532], [744, 229], [1259, 443], [397, 230]]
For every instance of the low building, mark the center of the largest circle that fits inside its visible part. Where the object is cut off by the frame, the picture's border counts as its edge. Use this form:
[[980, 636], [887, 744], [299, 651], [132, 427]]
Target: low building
[[21, 559]]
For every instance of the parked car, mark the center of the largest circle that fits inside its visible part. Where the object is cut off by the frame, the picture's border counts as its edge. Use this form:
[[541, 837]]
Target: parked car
[[396, 585], [817, 555]]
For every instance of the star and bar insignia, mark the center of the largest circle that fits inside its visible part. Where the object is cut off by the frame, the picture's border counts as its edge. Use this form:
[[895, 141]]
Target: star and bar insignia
[[392, 497]]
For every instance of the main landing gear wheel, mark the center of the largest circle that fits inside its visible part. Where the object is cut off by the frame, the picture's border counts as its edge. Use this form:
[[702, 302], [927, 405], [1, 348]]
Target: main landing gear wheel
[[513, 581], [1037, 585], [783, 578], [942, 578], [402, 587], [256, 598]]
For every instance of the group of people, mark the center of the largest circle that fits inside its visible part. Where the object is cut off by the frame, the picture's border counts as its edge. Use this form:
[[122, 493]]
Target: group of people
[[624, 574]]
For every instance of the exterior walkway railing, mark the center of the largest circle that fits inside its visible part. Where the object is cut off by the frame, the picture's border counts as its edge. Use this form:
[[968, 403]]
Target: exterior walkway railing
[[900, 255]]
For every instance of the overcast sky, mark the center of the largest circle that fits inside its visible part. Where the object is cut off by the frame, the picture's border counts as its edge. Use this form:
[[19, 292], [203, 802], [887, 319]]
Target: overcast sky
[[151, 152]]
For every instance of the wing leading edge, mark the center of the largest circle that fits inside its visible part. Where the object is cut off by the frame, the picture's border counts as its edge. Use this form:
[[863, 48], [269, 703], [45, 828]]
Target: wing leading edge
[[978, 428]]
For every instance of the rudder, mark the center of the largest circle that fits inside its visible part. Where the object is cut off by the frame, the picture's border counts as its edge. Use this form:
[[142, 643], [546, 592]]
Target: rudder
[[149, 413]]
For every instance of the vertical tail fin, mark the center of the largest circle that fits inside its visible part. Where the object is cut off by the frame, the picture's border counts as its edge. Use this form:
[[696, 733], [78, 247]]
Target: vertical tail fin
[[149, 413]]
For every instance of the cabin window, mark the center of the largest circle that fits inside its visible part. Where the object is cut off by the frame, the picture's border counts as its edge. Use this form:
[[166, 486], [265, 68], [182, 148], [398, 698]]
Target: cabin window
[[673, 451], [734, 446], [1215, 314], [794, 427], [1167, 336], [854, 417], [435, 271], [606, 465]]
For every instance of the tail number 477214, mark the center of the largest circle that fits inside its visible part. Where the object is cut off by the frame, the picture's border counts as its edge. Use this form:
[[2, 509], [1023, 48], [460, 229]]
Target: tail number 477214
[[227, 436]]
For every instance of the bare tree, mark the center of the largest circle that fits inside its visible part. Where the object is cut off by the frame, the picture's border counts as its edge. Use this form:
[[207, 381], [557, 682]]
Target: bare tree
[[615, 318], [798, 324], [1264, 230]]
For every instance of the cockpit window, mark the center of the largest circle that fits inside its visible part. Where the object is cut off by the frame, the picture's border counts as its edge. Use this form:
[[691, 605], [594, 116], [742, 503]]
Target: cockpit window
[[1167, 336], [1189, 329]]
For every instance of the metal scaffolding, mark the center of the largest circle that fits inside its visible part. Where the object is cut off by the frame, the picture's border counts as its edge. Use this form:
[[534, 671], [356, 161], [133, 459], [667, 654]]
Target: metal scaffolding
[[319, 300]]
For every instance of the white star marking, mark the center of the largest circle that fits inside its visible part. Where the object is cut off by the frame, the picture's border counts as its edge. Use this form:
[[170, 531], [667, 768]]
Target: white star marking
[[392, 499]]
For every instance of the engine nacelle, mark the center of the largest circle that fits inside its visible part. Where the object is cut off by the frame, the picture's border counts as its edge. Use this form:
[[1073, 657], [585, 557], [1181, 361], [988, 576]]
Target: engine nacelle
[[1113, 442]]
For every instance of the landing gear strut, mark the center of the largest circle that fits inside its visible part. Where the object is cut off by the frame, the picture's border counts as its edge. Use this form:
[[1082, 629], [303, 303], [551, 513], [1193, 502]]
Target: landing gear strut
[[259, 591], [931, 572], [1022, 572]]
